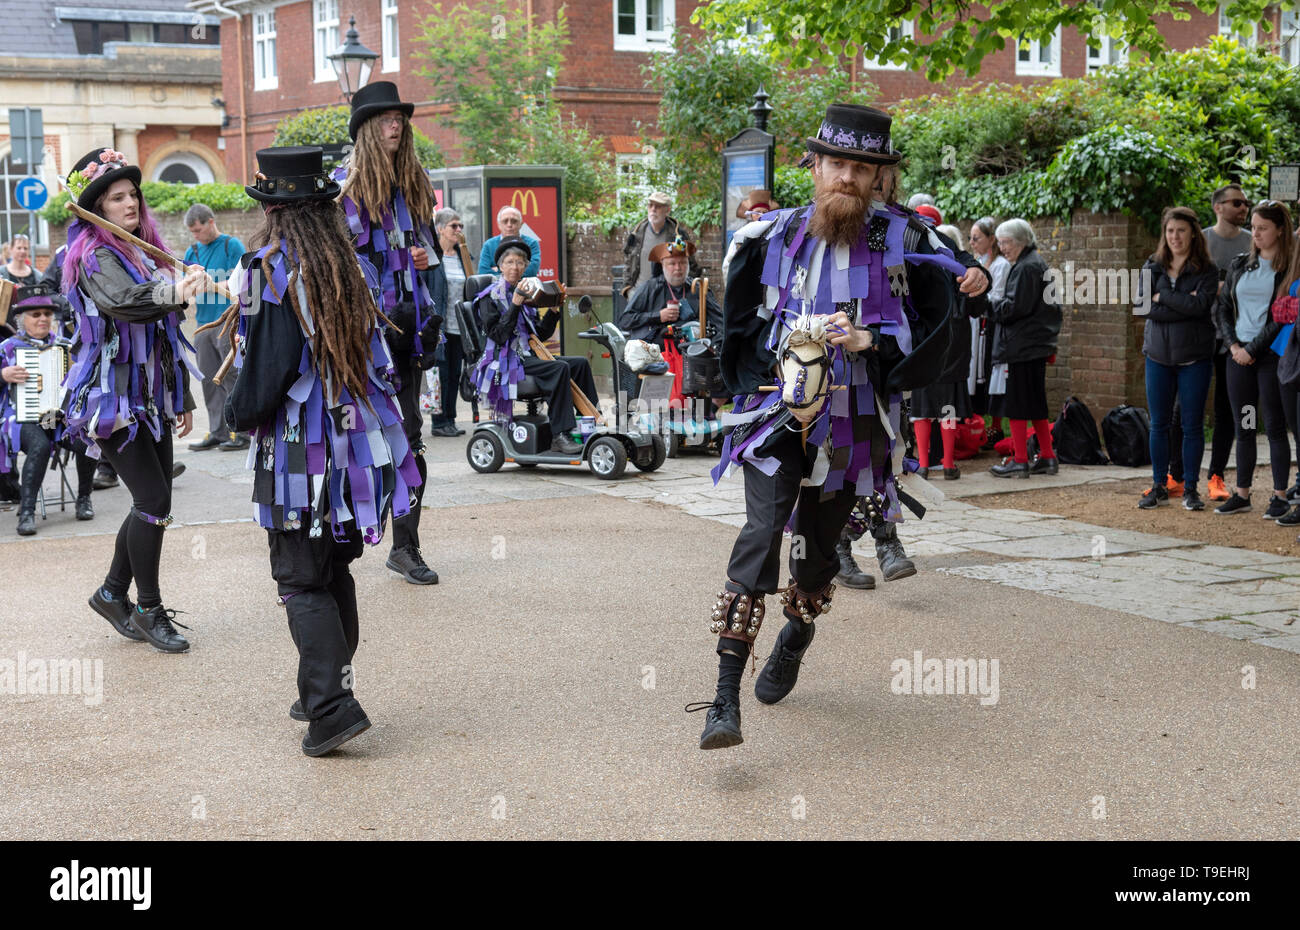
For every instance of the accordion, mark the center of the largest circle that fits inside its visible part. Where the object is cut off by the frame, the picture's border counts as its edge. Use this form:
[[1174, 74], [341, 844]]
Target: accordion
[[41, 394]]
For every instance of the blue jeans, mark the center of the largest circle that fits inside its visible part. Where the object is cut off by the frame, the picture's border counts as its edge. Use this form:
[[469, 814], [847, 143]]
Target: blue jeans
[[1191, 384]]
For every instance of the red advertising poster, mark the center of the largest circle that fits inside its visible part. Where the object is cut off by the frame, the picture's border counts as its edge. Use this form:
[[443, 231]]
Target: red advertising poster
[[540, 208]]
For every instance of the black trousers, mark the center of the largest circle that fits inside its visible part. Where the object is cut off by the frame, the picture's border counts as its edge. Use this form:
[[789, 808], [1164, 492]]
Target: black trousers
[[315, 581], [37, 443], [1256, 397], [145, 467], [406, 529], [553, 379], [769, 500], [449, 370]]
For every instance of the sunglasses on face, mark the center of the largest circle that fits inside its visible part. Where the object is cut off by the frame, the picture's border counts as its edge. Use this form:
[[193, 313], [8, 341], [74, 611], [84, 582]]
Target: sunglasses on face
[[38, 314], [1238, 202], [456, 225]]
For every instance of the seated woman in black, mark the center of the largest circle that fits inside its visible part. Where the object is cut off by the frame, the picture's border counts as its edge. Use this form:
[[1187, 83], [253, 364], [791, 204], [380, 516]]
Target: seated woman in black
[[507, 356]]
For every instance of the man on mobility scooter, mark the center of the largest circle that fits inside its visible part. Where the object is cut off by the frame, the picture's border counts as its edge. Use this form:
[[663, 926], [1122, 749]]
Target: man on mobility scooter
[[661, 312]]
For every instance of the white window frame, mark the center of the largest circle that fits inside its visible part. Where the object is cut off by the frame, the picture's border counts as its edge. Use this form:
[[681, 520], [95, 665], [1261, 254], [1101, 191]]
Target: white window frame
[[264, 78], [1099, 58], [906, 30], [645, 40], [1034, 67], [325, 38], [390, 38], [1288, 34], [202, 170], [1225, 30], [638, 165]]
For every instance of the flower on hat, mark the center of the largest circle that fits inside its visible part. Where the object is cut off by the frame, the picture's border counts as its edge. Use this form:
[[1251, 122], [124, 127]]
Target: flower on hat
[[109, 160]]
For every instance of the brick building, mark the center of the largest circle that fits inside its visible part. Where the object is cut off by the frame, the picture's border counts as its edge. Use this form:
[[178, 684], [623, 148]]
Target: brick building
[[143, 76], [273, 61]]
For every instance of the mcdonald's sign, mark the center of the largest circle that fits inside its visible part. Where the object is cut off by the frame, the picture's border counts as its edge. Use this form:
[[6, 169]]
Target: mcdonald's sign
[[520, 200], [540, 205]]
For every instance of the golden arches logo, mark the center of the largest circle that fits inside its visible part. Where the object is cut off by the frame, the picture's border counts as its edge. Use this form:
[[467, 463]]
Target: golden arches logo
[[520, 198]]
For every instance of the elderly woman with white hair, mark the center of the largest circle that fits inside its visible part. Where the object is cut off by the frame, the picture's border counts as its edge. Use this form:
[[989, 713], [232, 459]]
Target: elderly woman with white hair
[[1027, 328]]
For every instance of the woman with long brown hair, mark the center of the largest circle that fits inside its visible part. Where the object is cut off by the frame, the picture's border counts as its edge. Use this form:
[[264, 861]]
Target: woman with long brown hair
[[1180, 283], [1241, 316], [330, 458]]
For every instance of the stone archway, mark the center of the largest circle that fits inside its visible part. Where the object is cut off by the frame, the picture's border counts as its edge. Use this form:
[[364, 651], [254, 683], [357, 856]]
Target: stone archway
[[185, 145]]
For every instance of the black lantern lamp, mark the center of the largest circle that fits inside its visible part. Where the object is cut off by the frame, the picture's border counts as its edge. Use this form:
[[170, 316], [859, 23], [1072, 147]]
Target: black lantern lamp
[[352, 62]]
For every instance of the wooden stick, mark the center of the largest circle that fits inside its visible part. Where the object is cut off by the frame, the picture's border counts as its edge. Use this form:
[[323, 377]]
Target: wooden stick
[[6, 298], [580, 400], [704, 298], [157, 253]]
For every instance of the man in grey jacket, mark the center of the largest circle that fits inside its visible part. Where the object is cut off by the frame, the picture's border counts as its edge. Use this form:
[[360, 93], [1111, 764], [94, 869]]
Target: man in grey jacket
[[658, 227]]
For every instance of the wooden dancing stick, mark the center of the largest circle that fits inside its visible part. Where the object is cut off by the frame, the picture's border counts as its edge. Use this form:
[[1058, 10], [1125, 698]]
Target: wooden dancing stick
[[6, 298], [153, 251], [585, 406], [703, 284]]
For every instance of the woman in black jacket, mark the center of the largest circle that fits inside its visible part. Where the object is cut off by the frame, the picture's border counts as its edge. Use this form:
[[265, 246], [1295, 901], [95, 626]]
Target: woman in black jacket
[[1242, 318], [1181, 282], [1027, 327]]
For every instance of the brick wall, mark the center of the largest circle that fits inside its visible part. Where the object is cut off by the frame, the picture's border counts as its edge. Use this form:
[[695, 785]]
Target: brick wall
[[592, 253]]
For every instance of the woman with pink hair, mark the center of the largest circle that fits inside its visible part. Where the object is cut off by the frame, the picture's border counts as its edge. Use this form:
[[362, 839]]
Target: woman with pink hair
[[129, 382]]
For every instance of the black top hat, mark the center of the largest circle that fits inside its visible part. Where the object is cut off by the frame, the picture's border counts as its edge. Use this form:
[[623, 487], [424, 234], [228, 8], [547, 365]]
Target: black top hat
[[292, 173], [512, 242], [106, 173], [372, 100], [42, 294], [857, 133]]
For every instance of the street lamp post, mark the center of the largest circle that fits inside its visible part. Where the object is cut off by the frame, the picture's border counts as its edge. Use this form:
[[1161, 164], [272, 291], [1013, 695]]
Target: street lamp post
[[353, 62]]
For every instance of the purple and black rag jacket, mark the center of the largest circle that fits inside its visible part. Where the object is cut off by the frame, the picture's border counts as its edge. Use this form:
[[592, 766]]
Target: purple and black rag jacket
[[314, 461], [801, 274]]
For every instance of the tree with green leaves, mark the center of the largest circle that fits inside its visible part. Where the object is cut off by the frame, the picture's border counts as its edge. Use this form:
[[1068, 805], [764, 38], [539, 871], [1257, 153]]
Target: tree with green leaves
[[497, 69], [951, 35], [707, 87]]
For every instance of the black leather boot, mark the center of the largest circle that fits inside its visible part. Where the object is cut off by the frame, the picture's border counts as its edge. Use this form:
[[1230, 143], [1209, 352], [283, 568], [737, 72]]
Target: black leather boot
[[84, 510], [117, 611], [408, 563], [155, 625], [781, 672], [335, 728], [894, 563], [26, 521], [850, 575]]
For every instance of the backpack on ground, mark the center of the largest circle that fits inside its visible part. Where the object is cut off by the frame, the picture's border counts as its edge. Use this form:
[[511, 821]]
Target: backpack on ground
[[1128, 436], [1074, 435]]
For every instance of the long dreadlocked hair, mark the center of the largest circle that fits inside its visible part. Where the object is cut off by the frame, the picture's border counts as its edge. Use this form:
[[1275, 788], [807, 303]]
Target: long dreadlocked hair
[[372, 174], [342, 308]]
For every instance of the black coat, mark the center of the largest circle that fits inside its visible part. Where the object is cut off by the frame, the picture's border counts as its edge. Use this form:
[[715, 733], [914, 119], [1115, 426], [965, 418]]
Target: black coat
[[746, 364], [1225, 308], [640, 318], [500, 319], [1027, 324], [1178, 328]]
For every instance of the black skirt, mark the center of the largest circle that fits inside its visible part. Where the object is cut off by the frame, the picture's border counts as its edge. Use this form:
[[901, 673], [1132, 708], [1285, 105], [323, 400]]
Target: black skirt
[[1026, 396], [941, 400]]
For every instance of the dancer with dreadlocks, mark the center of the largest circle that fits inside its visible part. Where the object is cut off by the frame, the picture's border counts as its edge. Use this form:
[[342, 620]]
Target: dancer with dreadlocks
[[128, 387], [329, 454], [389, 205], [850, 302]]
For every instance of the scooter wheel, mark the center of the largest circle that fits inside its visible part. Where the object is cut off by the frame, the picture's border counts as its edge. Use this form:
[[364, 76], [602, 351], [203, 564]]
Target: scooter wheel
[[485, 452], [658, 452], [607, 458]]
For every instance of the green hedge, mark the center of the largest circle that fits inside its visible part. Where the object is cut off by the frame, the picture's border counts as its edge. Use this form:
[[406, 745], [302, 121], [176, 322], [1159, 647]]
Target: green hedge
[[166, 198]]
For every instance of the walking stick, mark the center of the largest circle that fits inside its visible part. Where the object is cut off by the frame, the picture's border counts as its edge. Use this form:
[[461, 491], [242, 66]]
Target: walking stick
[[703, 285], [585, 406]]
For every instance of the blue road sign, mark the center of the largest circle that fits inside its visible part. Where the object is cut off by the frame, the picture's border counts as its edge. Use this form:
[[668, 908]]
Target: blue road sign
[[31, 193]]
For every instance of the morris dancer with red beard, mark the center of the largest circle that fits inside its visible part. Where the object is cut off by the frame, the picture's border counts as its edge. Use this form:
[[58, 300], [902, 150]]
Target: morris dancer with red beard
[[835, 308]]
